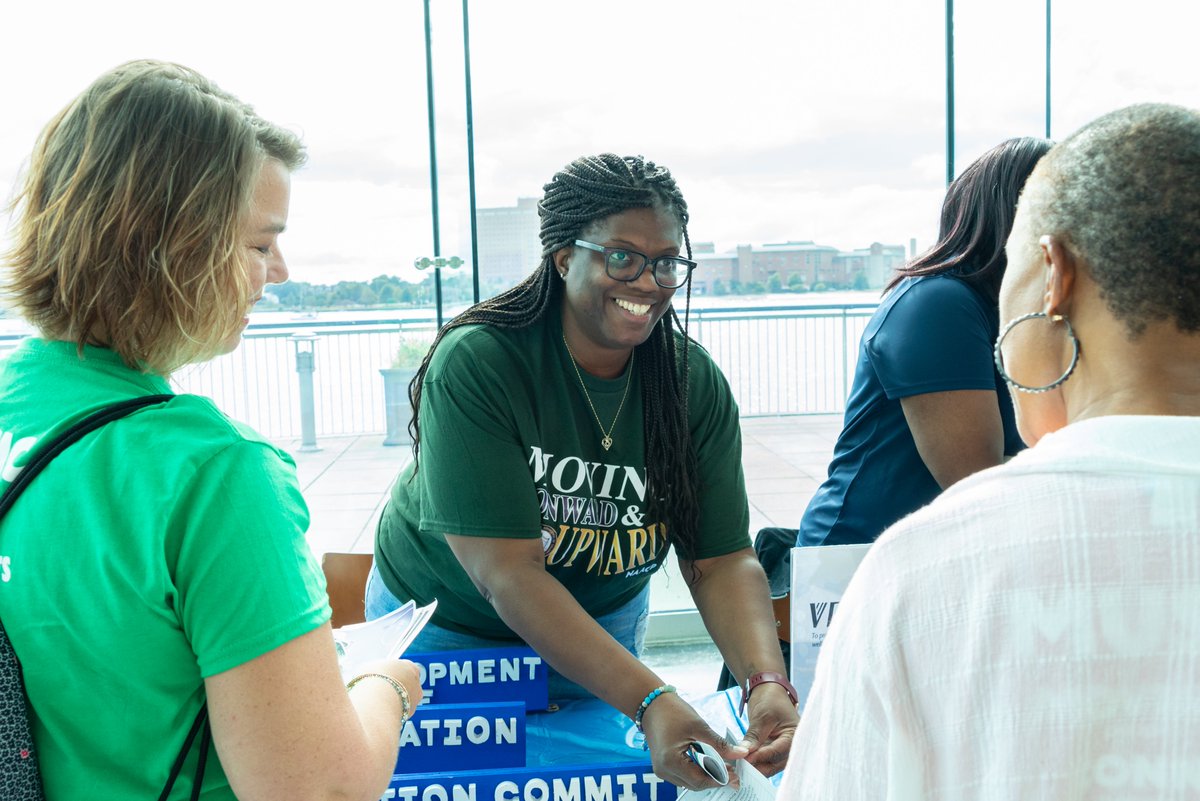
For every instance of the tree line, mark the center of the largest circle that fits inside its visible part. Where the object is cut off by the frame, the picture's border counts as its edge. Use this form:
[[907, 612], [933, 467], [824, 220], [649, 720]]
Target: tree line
[[382, 290], [393, 292]]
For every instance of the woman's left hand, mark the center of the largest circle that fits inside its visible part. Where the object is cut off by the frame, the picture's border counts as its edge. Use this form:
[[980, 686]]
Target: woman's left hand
[[733, 598], [670, 726], [773, 720]]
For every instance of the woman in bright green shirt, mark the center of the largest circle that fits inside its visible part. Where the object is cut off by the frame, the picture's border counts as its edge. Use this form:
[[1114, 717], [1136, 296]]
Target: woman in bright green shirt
[[159, 565]]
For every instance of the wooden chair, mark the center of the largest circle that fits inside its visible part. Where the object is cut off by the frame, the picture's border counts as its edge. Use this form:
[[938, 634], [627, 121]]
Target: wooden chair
[[346, 582], [783, 617]]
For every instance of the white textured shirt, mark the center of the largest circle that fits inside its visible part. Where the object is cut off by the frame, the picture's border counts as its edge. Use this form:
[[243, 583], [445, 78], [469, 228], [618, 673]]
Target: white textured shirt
[[1034, 633]]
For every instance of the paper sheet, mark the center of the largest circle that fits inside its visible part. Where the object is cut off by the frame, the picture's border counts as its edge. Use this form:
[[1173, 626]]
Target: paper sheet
[[710, 762], [383, 638], [753, 786]]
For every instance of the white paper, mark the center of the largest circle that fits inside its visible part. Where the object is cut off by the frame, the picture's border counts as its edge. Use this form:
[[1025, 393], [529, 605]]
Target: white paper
[[383, 638], [820, 574], [710, 762], [752, 785]]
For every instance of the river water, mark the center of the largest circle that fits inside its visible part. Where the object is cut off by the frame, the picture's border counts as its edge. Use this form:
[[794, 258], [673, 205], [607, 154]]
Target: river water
[[782, 353]]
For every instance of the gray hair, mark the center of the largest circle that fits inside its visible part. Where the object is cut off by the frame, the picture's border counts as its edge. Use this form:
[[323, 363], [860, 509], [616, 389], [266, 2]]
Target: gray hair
[[1123, 192]]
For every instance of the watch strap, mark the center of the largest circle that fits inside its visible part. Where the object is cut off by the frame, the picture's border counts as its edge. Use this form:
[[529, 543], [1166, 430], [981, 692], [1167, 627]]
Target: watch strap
[[765, 677]]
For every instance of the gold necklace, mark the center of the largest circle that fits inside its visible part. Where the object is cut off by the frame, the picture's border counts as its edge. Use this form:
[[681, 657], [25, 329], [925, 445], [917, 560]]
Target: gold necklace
[[607, 441]]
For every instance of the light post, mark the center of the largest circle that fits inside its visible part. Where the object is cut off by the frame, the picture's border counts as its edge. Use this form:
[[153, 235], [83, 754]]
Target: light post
[[453, 262], [305, 345], [949, 92], [471, 153], [1047, 68], [437, 263], [423, 264]]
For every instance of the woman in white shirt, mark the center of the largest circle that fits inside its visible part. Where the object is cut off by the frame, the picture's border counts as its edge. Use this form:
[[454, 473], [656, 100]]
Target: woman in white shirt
[[1035, 632]]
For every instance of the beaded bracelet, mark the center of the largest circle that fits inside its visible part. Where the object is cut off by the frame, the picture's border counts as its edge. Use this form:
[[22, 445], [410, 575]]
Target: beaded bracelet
[[649, 699], [405, 701]]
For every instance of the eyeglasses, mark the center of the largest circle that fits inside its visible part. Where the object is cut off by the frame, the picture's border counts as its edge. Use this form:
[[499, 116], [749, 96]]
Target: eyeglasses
[[670, 272]]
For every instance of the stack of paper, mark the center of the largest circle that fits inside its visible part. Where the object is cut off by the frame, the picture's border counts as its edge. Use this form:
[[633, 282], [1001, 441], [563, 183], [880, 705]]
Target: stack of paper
[[383, 638]]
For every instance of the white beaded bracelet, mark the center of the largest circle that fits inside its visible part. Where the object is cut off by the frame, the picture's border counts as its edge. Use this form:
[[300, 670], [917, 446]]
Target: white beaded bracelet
[[405, 702]]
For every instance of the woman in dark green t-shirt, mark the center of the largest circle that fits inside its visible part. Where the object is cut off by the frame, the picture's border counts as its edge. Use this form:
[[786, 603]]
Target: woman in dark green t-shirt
[[566, 434]]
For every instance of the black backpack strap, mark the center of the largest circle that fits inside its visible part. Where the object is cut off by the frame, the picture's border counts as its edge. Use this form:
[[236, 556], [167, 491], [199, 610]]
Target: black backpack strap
[[69, 437], [201, 721], [42, 458]]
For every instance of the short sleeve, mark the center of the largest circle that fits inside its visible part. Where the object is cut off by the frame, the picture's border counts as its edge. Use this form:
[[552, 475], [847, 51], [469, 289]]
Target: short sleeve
[[245, 579], [475, 478], [936, 337], [717, 440]]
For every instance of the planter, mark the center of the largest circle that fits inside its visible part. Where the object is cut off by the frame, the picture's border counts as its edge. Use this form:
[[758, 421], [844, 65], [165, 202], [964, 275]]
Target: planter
[[397, 410]]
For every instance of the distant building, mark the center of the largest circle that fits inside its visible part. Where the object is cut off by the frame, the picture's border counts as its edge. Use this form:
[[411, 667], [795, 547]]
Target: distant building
[[510, 248], [788, 265], [509, 244], [877, 262]]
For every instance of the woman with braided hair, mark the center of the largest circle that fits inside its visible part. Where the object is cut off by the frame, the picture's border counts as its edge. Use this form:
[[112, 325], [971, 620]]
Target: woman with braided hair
[[566, 433]]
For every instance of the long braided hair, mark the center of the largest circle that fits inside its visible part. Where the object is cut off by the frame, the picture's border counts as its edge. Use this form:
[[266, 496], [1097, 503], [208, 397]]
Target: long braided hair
[[586, 191]]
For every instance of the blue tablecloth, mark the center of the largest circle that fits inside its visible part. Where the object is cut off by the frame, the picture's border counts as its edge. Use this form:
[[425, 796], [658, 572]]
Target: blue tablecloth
[[590, 731]]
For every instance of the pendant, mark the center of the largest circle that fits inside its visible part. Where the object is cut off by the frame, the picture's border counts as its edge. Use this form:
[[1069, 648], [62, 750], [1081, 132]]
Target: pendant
[[606, 442]]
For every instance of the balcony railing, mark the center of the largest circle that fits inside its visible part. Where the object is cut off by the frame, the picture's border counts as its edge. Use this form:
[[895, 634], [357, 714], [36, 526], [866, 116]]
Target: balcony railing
[[785, 359], [778, 360]]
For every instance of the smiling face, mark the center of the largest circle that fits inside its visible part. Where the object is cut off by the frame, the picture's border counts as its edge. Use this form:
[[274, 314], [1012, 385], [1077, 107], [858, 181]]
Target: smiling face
[[604, 319], [267, 219]]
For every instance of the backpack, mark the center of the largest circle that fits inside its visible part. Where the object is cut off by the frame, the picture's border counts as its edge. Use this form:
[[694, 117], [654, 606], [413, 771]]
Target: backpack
[[20, 779]]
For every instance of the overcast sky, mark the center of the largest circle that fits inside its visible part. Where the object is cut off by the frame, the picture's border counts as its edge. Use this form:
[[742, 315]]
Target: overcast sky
[[781, 119]]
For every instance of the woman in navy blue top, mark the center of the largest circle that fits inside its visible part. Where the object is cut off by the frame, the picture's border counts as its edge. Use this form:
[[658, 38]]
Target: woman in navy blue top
[[927, 406]]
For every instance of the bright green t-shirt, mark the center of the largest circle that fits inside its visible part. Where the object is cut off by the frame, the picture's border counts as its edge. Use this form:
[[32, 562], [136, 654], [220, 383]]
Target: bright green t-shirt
[[162, 549], [511, 448]]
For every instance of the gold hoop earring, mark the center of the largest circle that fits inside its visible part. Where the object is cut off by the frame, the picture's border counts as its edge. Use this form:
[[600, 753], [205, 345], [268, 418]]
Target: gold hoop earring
[[1053, 318]]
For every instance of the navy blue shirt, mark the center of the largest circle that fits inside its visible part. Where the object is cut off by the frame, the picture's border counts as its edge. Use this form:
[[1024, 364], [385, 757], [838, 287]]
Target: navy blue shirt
[[930, 334]]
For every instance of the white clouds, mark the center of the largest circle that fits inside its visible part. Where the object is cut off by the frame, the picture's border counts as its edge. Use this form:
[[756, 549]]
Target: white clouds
[[781, 119]]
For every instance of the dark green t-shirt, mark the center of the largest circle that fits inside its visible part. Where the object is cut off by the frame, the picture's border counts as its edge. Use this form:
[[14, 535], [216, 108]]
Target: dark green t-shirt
[[510, 448]]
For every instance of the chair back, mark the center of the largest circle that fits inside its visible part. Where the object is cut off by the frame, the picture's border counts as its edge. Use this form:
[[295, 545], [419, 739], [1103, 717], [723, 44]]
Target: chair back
[[346, 582]]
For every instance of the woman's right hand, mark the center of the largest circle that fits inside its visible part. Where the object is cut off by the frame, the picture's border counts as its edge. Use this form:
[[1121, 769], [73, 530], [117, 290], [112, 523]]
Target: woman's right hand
[[284, 725], [671, 726], [402, 670]]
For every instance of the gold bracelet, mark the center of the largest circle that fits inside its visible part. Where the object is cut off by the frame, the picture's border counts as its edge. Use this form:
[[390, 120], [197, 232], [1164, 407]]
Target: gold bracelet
[[405, 702]]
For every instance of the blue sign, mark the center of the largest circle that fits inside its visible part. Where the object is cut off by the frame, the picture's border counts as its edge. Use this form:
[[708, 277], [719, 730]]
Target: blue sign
[[489, 674], [633, 781], [448, 736]]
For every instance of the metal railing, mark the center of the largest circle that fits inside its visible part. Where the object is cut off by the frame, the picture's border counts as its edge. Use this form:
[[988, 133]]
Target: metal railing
[[784, 359], [778, 360], [259, 384]]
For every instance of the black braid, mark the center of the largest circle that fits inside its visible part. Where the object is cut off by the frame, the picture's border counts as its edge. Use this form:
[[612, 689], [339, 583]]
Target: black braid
[[584, 192]]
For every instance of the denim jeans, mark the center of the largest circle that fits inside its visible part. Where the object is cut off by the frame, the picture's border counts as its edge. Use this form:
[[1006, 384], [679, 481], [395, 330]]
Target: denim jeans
[[627, 625]]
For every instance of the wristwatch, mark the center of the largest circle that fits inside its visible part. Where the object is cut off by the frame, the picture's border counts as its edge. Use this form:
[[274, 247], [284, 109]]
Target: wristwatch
[[763, 678]]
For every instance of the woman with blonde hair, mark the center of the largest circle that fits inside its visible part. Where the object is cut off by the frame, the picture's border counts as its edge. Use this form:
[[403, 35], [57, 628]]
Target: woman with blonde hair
[[159, 581]]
